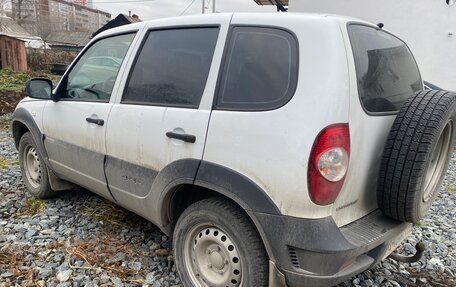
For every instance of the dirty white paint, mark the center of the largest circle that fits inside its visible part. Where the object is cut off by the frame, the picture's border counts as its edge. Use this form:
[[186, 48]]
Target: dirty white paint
[[428, 27]]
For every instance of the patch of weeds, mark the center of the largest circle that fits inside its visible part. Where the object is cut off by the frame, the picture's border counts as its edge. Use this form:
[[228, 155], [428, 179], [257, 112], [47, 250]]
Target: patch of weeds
[[13, 260], [430, 278], [452, 188], [4, 163], [101, 254], [420, 224], [32, 206]]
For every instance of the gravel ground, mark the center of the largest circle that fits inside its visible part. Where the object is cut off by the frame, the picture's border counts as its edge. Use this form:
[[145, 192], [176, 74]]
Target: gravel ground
[[80, 239]]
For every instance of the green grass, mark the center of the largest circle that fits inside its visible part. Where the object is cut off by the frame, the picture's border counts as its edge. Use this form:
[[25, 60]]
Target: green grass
[[4, 164], [15, 81], [32, 206], [12, 81]]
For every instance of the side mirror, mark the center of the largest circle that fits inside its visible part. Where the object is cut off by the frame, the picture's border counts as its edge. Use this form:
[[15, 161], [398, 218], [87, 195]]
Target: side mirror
[[39, 88]]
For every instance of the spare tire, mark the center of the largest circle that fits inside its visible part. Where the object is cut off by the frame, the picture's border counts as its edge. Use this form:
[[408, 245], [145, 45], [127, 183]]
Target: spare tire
[[417, 154]]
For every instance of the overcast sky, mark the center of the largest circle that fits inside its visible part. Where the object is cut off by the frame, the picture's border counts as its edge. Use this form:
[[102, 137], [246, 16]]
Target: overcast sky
[[152, 9]]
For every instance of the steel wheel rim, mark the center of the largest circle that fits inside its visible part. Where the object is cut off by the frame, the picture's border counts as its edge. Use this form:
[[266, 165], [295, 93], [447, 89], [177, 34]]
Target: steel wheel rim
[[438, 160], [32, 166], [211, 258]]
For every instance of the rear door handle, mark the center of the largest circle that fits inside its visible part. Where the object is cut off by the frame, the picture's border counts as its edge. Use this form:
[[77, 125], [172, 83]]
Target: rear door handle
[[99, 122], [183, 137]]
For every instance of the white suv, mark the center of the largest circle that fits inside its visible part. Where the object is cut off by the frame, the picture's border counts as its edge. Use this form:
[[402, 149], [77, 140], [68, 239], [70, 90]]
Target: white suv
[[280, 149]]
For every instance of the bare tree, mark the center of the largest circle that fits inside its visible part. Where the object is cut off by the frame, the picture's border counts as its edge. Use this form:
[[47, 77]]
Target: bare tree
[[33, 15]]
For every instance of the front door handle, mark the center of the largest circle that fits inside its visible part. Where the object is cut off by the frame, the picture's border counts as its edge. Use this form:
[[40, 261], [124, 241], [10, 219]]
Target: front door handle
[[99, 122], [183, 137]]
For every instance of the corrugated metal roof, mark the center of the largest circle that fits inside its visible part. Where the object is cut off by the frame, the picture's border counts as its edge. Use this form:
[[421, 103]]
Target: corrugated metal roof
[[70, 38], [271, 2]]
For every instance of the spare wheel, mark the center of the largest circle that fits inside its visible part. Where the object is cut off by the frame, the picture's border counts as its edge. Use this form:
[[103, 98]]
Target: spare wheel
[[417, 154]]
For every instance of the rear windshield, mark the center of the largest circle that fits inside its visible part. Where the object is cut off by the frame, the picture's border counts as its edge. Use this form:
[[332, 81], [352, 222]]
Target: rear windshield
[[386, 70]]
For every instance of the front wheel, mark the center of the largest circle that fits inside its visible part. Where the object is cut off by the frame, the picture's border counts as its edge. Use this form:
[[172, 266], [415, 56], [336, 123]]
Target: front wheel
[[34, 171], [216, 245]]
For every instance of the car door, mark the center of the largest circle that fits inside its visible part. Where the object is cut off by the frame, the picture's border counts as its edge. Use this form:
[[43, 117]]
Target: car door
[[157, 131], [75, 126]]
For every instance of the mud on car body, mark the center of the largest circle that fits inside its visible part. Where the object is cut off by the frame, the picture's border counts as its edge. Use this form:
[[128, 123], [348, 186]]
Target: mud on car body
[[276, 149]]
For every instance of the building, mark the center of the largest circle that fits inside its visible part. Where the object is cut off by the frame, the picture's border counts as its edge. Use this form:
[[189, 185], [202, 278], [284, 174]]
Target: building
[[13, 40], [428, 27], [11, 28], [120, 20], [41, 17], [68, 41], [12, 53]]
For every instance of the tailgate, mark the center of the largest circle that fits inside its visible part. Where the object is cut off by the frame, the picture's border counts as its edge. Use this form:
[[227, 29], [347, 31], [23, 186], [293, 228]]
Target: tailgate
[[358, 196]]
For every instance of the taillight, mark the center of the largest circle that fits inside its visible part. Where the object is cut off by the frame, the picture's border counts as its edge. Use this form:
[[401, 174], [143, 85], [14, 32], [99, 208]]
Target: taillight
[[328, 163]]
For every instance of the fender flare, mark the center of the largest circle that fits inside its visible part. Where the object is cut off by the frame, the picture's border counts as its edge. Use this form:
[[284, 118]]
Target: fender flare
[[22, 116], [236, 186], [227, 182]]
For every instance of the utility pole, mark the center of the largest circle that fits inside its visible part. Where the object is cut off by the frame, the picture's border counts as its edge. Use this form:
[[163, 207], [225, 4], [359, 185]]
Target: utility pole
[[204, 2]]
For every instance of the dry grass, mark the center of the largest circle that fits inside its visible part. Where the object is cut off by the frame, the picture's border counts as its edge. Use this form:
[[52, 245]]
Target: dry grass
[[110, 215], [96, 255], [14, 261], [432, 279]]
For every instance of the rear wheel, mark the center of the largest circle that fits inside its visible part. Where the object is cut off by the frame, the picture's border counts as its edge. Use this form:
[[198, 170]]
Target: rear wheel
[[216, 245], [34, 171], [417, 155]]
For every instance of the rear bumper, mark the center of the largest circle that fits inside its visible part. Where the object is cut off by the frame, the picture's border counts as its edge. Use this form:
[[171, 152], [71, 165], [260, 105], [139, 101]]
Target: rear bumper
[[315, 252]]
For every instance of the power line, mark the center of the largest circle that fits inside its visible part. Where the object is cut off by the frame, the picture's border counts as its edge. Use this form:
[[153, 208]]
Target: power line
[[188, 7]]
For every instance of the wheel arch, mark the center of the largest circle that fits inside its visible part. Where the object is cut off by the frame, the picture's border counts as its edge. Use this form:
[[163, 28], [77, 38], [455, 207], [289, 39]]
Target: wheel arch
[[18, 129], [213, 180], [23, 122]]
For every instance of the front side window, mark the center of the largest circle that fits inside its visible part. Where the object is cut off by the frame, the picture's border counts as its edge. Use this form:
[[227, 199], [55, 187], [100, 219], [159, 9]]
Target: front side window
[[386, 71], [92, 77], [261, 69], [172, 68]]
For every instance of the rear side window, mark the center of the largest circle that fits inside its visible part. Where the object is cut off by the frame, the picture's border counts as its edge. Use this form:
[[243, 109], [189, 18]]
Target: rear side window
[[386, 70], [260, 70], [172, 68]]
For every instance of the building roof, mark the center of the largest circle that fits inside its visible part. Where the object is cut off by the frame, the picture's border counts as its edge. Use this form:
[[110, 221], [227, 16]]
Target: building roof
[[69, 38], [11, 28], [120, 20], [271, 2]]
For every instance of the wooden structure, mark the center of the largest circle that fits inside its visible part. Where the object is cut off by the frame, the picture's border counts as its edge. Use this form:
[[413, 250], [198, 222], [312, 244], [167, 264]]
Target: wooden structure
[[120, 20], [12, 53]]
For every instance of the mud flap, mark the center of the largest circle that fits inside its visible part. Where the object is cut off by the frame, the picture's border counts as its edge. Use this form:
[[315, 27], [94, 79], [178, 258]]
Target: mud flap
[[58, 184], [276, 278]]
